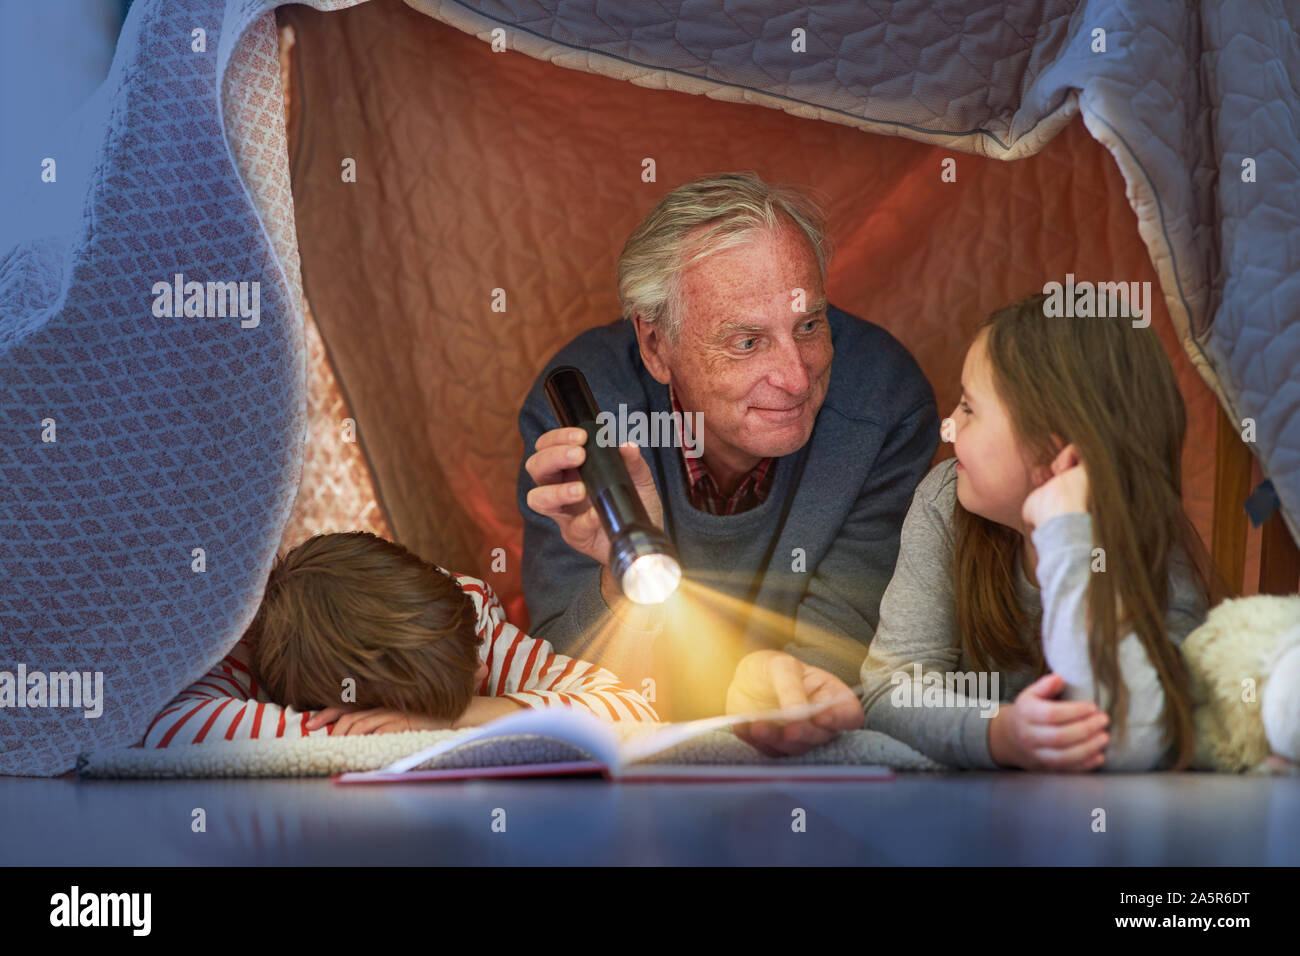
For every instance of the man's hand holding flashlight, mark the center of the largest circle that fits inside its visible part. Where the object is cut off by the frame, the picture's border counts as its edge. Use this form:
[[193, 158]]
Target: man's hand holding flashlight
[[561, 495], [771, 680]]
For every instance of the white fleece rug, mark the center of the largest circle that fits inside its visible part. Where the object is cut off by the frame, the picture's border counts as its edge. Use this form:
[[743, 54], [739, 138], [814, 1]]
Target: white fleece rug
[[326, 756]]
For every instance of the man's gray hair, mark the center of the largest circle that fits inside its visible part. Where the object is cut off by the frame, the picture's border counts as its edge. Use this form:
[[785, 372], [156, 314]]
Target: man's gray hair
[[730, 207]]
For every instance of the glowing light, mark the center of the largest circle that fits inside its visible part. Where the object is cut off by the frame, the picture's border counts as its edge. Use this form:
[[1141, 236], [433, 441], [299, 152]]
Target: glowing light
[[651, 579], [706, 630]]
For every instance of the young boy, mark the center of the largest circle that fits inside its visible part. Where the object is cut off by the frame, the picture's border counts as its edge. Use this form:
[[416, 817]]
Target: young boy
[[356, 635]]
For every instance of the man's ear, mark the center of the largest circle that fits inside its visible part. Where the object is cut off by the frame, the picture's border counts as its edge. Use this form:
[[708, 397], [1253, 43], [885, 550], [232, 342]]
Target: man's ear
[[654, 348]]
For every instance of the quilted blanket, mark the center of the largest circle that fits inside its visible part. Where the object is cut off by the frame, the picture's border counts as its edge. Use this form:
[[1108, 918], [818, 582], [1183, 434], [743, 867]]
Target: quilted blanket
[[1198, 104], [151, 389], [152, 357]]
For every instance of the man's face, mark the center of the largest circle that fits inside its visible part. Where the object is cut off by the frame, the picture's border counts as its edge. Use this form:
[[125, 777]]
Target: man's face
[[753, 366]]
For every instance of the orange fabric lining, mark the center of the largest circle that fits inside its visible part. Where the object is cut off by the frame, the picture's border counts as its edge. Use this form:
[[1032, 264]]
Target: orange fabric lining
[[479, 171]]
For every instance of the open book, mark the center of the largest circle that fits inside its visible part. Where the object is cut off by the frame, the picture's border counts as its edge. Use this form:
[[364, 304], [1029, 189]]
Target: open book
[[598, 749]]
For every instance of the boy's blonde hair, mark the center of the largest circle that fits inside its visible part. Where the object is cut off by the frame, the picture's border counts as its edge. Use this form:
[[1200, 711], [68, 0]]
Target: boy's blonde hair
[[353, 605]]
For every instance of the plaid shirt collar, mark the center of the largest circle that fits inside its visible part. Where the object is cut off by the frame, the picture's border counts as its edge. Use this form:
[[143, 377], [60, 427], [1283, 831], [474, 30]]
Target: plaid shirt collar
[[703, 490]]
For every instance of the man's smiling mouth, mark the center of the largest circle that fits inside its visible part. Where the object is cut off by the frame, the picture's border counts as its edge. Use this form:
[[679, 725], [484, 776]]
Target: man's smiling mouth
[[788, 411]]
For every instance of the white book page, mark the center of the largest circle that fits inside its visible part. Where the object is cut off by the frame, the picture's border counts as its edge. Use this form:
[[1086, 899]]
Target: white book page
[[570, 726], [641, 747], [595, 736], [721, 773]]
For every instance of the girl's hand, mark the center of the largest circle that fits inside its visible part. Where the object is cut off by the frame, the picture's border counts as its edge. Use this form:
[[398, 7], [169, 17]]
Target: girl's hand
[[1066, 492], [1039, 733]]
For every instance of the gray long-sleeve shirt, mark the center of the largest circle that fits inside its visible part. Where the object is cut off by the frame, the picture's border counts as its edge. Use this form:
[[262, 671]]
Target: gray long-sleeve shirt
[[918, 629]]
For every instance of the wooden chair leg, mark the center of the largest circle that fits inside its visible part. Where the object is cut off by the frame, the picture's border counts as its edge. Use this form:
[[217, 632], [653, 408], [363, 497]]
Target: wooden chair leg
[[1279, 559], [1232, 463]]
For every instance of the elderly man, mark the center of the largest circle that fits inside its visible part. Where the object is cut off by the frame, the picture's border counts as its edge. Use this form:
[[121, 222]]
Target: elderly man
[[817, 427]]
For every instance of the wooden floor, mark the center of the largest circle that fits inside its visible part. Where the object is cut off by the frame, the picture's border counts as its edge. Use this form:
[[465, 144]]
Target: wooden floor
[[951, 819]]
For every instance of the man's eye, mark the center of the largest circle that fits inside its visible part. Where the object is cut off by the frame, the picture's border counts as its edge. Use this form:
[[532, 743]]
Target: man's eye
[[810, 325], [746, 345], [965, 408]]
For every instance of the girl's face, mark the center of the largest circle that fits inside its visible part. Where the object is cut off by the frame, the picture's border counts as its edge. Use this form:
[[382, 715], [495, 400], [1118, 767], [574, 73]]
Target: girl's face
[[992, 477]]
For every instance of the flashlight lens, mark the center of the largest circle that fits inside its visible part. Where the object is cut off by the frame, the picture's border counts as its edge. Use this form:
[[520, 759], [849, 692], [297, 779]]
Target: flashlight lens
[[651, 579]]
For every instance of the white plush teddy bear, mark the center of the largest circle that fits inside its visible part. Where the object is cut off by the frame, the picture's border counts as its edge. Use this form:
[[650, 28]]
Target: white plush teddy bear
[[1244, 663]]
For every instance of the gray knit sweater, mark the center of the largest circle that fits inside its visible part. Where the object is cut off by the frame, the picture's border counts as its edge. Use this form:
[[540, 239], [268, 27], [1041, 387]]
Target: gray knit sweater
[[918, 626], [827, 563]]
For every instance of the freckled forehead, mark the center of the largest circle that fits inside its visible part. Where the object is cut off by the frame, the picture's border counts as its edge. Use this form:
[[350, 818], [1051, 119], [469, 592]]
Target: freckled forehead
[[741, 283]]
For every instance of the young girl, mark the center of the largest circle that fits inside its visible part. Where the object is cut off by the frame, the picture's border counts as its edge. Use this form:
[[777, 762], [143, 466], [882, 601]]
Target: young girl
[[1052, 553]]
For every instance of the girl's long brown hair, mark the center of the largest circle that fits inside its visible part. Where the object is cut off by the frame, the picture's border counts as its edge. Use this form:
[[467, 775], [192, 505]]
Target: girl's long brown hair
[[1108, 389]]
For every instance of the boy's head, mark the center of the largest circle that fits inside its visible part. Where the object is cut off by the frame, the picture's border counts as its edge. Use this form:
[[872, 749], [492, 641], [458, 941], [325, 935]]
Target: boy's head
[[353, 605]]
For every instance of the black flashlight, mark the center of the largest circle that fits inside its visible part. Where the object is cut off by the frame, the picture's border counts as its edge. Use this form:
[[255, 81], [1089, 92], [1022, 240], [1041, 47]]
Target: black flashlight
[[641, 557]]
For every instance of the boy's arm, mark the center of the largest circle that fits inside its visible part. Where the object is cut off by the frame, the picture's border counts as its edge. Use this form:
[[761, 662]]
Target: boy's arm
[[565, 681], [527, 671], [224, 705], [484, 710]]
